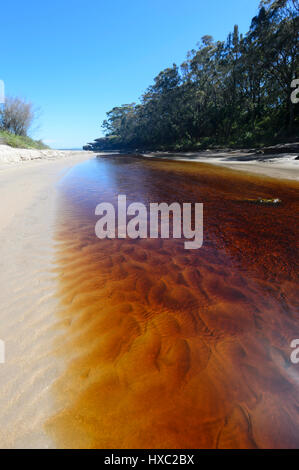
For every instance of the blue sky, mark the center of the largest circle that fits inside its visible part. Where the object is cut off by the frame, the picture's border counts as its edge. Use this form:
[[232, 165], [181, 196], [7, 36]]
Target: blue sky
[[76, 59]]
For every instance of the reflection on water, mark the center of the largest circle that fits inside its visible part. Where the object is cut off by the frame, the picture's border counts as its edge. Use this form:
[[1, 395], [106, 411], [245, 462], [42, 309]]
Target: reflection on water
[[171, 348]]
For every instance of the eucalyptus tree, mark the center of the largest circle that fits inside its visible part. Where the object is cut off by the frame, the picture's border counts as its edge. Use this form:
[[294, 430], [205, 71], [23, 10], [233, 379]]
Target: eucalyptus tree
[[233, 92]]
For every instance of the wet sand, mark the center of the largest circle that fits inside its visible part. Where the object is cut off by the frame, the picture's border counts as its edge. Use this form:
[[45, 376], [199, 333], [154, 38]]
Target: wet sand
[[28, 300], [281, 165], [169, 348]]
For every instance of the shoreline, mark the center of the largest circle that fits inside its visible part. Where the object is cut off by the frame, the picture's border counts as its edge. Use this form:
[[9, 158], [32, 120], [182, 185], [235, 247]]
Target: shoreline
[[11, 157], [20, 181], [276, 165], [28, 300], [279, 166]]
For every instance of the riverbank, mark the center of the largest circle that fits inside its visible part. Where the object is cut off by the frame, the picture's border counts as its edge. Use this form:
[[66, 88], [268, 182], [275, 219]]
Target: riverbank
[[10, 156], [27, 298], [283, 165]]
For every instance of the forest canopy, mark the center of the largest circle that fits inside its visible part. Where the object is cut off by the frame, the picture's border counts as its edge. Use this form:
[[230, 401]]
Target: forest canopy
[[233, 93]]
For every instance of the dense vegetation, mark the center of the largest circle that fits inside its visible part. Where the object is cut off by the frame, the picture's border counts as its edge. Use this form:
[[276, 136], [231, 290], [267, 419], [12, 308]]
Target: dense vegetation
[[234, 93]]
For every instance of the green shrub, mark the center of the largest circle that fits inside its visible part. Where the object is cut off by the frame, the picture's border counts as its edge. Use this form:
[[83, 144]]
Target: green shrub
[[18, 141]]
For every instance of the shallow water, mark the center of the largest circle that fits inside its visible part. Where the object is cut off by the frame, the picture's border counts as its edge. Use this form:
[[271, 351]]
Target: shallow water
[[174, 348]]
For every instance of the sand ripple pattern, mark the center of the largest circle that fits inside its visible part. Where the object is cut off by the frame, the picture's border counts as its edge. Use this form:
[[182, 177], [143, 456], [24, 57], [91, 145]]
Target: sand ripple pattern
[[169, 348], [27, 306]]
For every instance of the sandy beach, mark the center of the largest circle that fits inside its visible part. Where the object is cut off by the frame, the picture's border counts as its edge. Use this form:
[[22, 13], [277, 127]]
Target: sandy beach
[[149, 226], [28, 301], [282, 165]]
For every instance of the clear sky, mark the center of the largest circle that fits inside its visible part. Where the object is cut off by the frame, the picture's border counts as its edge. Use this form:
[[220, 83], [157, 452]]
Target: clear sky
[[76, 59]]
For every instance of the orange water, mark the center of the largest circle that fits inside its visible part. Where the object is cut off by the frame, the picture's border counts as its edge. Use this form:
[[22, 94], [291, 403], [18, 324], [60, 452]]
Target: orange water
[[174, 348]]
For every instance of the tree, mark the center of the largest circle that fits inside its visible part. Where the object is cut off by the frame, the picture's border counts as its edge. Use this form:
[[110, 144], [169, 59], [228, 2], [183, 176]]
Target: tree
[[233, 92], [275, 34], [16, 116]]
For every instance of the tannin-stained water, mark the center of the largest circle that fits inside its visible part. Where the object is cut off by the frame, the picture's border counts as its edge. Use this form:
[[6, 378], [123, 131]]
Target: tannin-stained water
[[174, 348]]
